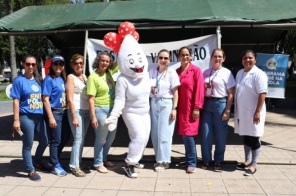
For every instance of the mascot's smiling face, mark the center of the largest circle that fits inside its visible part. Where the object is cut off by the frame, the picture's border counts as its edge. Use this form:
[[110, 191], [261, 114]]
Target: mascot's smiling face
[[131, 58]]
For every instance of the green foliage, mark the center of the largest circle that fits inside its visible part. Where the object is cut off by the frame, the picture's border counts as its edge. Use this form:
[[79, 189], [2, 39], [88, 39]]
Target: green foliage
[[3, 96], [38, 46], [287, 44]]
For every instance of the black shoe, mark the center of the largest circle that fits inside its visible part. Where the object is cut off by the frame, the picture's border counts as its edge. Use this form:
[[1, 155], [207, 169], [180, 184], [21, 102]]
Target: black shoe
[[242, 166], [130, 171], [40, 167], [218, 167], [250, 172]]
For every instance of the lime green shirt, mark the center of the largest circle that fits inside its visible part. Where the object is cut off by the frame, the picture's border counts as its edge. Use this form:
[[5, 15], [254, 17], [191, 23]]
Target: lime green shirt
[[102, 87]]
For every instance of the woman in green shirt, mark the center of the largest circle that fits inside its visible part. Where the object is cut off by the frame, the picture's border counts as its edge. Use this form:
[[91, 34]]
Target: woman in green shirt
[[101, 94]]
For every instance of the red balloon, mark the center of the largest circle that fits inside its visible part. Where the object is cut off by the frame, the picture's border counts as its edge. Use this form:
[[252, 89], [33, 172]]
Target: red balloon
[[126, 28], [136, 35], [110, 39], [118, 44]]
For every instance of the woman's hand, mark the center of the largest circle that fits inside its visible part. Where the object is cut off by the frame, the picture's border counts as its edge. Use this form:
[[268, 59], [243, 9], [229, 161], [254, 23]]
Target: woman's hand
[[195, 113], [256, 118], [16, 125], [94, 122], [52, 122], [75, 122], [173, 115], [226, 115]]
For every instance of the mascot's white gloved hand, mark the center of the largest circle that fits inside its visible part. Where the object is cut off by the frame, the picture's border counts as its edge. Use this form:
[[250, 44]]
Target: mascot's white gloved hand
[[111, 122]]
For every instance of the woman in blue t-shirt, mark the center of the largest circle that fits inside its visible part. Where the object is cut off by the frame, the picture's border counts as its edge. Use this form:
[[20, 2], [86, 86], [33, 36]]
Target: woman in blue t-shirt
[[28, 115], [54, 100]]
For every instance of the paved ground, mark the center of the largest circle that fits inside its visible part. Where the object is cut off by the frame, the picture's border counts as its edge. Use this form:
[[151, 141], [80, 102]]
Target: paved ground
[[276, 173]]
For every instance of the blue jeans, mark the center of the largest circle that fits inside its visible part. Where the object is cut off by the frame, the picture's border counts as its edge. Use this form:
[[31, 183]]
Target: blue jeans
[[78, 135], [190, 150], [211, 124], [33, 124], [104, 137], [162, 128], [59, 136]]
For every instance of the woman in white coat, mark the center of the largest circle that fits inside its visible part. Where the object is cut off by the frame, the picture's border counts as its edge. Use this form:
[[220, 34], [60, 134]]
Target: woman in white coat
[[250, 109]]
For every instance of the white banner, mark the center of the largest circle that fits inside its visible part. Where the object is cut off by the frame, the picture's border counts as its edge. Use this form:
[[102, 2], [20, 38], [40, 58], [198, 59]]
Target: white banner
[[201, 48]]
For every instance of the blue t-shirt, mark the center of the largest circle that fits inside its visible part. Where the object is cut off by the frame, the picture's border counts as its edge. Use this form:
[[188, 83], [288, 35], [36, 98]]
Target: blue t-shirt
[[54, 88], [29, 94]]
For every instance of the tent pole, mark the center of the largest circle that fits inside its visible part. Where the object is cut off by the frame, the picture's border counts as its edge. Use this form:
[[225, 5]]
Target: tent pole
[[85, 50], [218, 31]]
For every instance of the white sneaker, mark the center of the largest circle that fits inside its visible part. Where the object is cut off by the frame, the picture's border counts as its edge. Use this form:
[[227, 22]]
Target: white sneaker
[[130, 171], [158, 167], [139, 165]]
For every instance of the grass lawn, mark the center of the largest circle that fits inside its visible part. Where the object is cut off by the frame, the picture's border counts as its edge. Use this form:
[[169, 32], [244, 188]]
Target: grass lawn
[[3, 96]]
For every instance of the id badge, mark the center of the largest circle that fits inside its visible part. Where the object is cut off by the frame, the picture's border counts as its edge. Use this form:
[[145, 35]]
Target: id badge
[[155, 91], [209, 92]]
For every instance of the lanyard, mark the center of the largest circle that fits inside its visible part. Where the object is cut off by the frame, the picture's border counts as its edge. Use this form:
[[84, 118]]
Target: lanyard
[[157, 80], [210, 81]]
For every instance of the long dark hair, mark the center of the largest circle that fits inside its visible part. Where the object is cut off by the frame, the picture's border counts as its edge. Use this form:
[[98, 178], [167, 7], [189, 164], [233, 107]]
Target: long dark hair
[[63, 74], [36, 73]]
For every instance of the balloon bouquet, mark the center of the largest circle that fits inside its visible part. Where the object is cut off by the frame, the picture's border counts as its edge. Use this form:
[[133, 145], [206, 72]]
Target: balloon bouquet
[[114, 40], [131, 93]]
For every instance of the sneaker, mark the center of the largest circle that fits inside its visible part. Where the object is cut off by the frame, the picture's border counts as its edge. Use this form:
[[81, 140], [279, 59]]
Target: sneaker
[[58, 170], [40, 167], [139, 166], [77, 172], [34, 176], [130, 171], [161, 166], [218, 167], [191, 170]]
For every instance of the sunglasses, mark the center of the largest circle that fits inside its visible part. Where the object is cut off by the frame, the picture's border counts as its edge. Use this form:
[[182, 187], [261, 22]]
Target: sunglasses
[[164, 58], [78, 63], [58, 63], [29, 64]]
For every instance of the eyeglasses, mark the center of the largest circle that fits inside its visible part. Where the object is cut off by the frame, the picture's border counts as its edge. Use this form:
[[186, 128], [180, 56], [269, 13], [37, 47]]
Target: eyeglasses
[[164, 58], [78, 63], [29, 64], [58, 63]]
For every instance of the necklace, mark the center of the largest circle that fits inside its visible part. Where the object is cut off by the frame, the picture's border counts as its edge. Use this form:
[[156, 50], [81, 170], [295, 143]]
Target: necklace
[[106, 79], [80, 77]]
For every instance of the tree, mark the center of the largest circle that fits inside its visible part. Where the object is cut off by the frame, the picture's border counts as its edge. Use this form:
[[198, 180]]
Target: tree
[[38, 46]]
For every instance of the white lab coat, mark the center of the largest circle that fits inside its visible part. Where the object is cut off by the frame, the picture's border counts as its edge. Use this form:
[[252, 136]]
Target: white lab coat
[[248, 87]]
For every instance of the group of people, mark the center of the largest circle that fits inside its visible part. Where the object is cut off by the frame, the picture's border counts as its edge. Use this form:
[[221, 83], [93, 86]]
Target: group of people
[[194, 101], [201, 102]]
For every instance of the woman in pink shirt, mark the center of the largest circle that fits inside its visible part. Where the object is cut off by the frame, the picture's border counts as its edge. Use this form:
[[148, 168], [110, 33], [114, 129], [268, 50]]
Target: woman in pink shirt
[[191, 98]]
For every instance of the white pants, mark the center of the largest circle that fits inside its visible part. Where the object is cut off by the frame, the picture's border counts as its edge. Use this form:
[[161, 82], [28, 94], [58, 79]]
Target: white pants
[[139, 130]]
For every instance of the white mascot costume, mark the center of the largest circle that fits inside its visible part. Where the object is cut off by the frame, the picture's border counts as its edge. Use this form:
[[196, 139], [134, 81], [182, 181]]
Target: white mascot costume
[[132, 100]]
